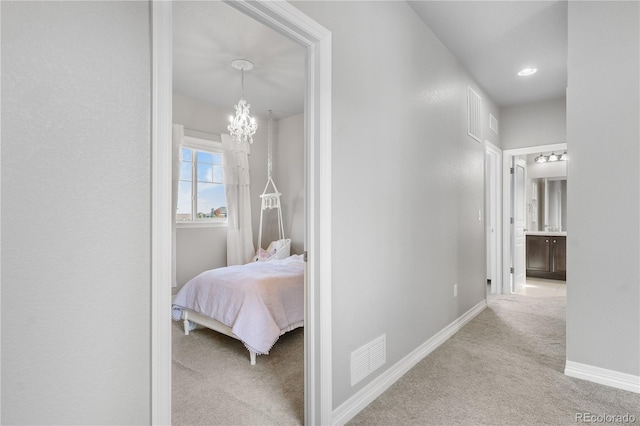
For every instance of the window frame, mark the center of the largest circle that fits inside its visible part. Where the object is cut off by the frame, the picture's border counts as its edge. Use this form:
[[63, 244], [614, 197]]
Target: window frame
[[205, 145]]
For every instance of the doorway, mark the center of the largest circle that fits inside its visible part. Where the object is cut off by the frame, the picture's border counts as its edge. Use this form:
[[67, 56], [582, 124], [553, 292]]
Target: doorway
[[287, 20], [513, 261], [208, 37]]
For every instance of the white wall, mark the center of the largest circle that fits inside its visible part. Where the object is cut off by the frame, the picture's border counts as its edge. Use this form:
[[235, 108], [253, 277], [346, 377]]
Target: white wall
[[539, 123], [76, 213], [603, 279], [407, 183]]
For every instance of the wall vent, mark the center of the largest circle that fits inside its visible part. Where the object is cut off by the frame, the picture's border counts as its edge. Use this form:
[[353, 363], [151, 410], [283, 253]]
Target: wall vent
[[493, 123], [473, 115], [368, 358]]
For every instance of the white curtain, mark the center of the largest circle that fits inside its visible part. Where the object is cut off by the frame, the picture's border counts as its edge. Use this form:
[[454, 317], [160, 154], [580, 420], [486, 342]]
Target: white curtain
[[235, 160], [178, 137]]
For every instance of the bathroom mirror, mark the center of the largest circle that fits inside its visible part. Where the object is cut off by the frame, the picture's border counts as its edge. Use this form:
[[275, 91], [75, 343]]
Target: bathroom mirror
[[547, 204]]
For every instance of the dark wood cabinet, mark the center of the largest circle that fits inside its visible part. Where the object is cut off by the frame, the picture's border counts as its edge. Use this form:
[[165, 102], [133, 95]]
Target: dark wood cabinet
[[538, 250], [547, 256], [559, 256]]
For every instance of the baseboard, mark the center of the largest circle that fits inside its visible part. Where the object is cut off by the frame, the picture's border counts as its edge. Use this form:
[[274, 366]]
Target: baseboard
[[603, 376], [347, 410]]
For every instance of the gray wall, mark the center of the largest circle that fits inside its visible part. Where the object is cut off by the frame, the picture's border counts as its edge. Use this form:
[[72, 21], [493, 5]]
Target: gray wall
[[407, 183], [603, 280], [197, 250], [75, 213], [539, 123], [407, 187], [289, 177]]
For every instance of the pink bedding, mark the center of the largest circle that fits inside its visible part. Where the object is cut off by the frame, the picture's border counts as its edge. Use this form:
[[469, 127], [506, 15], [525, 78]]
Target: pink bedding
[[259, 301]]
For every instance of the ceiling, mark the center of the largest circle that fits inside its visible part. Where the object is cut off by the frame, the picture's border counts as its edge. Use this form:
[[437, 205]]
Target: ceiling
[[496, 39], [492, 39], [208, 35]]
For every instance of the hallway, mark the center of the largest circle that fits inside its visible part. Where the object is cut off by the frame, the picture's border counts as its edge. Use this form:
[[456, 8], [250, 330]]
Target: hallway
[[505, 367]]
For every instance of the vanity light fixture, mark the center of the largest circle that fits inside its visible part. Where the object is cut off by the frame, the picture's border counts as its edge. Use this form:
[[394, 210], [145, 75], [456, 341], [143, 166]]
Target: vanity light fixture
[[242, 127], [551, 158], [541, 159], [527, 72]]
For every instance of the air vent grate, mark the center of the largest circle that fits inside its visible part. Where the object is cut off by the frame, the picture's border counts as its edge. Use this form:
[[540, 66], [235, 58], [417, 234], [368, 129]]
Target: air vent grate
[[368, 358], [473, 115], [493, 123]]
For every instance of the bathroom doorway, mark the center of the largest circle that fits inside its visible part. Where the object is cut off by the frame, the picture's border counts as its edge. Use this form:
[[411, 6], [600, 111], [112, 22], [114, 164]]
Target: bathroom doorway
[[512, 260]]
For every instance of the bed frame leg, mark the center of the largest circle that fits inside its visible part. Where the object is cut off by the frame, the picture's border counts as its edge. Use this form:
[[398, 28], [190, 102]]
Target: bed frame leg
[[252, 355], [186, 323]]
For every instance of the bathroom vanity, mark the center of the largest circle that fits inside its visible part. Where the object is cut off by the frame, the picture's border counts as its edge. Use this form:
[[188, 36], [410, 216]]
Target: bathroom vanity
[[547, 255]]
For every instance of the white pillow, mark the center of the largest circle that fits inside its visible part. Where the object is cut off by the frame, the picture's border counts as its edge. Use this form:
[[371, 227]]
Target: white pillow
[[281, 249], [278, 249]]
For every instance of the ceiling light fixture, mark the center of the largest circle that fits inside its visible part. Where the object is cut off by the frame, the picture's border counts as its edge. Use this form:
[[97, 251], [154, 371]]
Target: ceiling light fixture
[[527, 72], [551, 158], [242, 127]]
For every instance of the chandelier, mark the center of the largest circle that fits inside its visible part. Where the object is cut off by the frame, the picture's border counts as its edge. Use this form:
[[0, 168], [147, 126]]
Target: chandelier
[[242, 126]]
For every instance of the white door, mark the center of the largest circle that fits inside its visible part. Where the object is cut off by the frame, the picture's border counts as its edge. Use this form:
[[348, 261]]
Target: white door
[[492, 215], [519, 224]]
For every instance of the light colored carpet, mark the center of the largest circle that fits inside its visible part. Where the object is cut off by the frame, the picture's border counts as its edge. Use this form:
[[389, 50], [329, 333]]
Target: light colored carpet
[[215, 384], [503, 368]]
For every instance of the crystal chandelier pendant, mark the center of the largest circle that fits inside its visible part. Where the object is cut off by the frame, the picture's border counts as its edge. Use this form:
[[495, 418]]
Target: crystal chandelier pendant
[[242, 126]]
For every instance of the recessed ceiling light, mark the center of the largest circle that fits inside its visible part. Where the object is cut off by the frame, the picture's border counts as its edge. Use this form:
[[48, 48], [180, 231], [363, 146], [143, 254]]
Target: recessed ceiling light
[[527, 71]]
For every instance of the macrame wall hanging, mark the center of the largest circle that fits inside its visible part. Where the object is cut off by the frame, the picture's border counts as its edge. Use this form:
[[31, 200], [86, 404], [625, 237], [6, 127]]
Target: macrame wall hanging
[[271, 200]]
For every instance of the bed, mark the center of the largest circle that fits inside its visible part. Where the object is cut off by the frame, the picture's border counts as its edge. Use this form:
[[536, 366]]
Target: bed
[[255, 303]]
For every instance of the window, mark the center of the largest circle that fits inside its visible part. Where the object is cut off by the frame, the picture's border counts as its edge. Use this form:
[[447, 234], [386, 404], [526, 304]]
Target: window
[[201, 193]]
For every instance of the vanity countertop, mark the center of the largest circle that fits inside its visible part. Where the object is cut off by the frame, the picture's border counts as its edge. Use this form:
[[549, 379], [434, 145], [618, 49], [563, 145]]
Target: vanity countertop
[[549, 233]]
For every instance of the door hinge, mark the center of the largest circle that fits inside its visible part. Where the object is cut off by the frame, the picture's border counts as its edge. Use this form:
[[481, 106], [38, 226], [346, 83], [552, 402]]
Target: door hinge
[[305, 256], [511, 170], [511, 269], [511, 220]]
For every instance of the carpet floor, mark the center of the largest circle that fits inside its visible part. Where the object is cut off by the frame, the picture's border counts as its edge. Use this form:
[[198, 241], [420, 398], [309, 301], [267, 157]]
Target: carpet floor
[[215, 384], [503, 368]]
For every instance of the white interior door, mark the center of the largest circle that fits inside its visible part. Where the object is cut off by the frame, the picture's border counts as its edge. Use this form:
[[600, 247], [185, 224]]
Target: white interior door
[[493, 213], [487, 216], [519, 223]]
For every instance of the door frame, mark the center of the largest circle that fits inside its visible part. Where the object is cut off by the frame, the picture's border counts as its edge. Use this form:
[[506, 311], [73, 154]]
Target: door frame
[[493, 207], [507, 237], [291, 22]]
